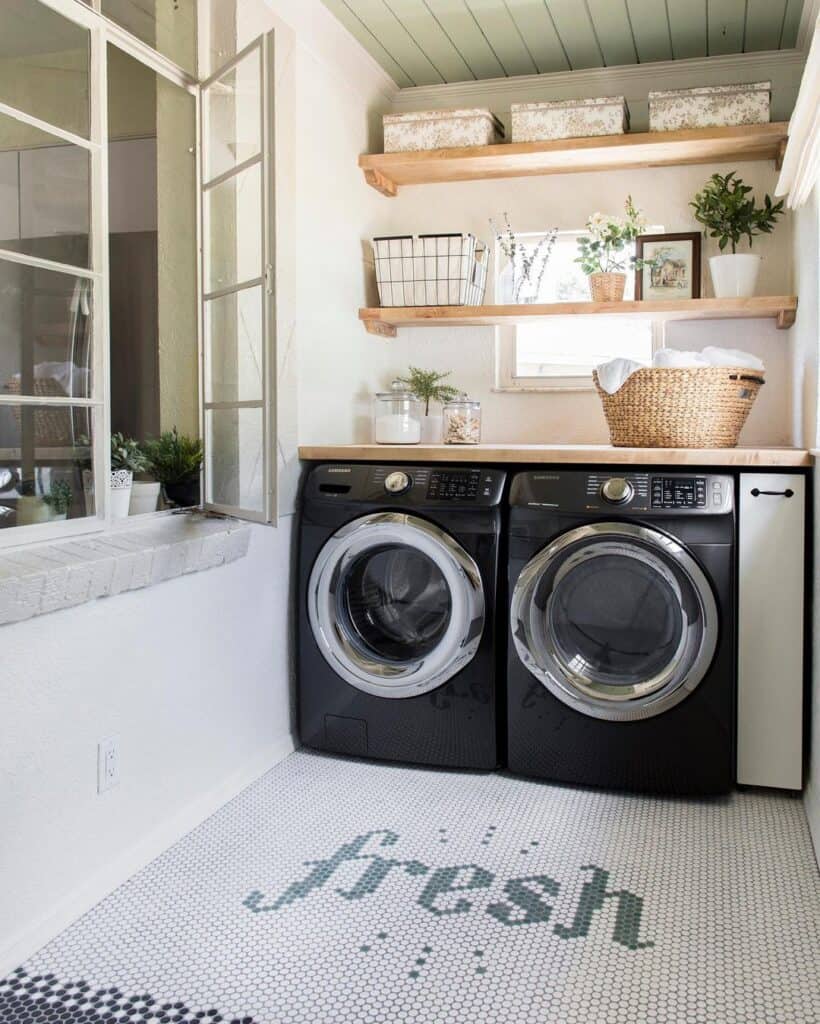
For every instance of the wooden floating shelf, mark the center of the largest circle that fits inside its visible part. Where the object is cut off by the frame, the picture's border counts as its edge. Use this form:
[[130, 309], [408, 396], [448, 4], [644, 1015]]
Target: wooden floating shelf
[[386, 172], [384, 321]]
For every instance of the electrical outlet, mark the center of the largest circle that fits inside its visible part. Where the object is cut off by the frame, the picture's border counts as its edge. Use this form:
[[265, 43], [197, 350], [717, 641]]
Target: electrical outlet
[[108, 764]]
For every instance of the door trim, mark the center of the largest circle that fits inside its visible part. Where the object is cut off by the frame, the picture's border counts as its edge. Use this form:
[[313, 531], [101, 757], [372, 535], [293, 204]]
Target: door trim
[[598, 700], [461, 639]]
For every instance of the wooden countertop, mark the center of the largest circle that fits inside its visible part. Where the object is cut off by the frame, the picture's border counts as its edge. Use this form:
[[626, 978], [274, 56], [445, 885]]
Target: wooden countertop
[[550, 454]]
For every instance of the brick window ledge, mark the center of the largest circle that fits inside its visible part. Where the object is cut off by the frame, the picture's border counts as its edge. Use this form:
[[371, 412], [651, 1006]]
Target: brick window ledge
[[63, 574]]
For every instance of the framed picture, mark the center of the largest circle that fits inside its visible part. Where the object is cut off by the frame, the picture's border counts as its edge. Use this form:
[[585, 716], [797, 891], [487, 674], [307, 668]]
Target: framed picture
[[675, 272]]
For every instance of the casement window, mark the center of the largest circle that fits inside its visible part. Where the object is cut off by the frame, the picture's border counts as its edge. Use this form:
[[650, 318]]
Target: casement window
[[136, 284], [559, 353]]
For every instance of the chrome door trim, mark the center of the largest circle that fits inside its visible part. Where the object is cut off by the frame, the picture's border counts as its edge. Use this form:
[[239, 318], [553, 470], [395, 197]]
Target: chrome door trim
[[650, 697], [462, 636]]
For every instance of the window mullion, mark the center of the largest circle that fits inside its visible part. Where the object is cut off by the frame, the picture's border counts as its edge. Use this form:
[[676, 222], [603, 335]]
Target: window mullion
[[99, 261]]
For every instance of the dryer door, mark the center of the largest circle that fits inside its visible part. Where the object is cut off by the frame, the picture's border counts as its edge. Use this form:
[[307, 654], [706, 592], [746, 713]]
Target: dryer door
[[395, 604], [618, 621]]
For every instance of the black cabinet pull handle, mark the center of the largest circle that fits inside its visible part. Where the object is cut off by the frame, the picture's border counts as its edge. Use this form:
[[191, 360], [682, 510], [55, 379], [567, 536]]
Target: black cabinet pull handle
[[788, 493]]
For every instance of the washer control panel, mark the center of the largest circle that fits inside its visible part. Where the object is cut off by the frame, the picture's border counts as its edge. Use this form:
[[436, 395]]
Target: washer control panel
[[620, 493], [456, 484]]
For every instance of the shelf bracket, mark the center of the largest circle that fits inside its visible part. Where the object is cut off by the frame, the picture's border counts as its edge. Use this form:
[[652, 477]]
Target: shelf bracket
[[781, 152], [380, 183], [785, 319], [380, 328]]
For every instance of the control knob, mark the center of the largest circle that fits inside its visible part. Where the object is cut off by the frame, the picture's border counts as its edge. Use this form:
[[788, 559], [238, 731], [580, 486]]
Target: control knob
[[397, 483], [617, 490]]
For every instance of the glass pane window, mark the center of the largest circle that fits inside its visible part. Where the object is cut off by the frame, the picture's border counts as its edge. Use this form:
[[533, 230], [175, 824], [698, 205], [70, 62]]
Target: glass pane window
[[233, 215], [45, 332], [168, 26], [45, 464], [234, 446], [572, 346], [232, 109], [44, 65], [233, 346], [152, 252], [44, 194]]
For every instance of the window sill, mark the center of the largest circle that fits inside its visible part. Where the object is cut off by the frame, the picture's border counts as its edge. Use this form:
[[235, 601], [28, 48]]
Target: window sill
[[536, 389], [63, 574]]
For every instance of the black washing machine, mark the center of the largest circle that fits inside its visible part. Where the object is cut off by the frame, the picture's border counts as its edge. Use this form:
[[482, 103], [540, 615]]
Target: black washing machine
[[621, 666], [398, 570]]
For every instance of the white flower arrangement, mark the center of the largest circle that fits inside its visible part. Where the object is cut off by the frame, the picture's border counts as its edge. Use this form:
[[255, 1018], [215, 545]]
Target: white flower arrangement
[[607, 237], [529, 262]]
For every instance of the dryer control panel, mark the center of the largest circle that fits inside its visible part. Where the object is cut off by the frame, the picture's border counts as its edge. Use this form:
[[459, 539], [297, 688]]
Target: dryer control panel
[[617, 492], [407, 485]]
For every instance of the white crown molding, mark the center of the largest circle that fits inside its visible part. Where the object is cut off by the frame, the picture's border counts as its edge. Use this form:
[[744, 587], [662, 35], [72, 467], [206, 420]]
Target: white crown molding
[[636, 79]]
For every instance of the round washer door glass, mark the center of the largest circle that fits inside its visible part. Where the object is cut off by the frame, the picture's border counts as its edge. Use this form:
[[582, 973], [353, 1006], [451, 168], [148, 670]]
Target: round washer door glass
[[617, 620], [395, 604]]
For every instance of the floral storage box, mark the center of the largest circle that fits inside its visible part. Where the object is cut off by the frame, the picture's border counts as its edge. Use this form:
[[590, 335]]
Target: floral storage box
[[440, 129], [710, 106], [569, 119]]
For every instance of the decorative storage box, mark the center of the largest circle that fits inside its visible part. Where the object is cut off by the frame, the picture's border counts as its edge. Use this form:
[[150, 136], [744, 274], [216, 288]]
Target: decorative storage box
[[709, 106], [440, 129], [569, 119], [431, 270]]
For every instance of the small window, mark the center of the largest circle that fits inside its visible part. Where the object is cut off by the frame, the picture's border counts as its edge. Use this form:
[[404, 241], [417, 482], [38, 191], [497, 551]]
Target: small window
[[562, 351]]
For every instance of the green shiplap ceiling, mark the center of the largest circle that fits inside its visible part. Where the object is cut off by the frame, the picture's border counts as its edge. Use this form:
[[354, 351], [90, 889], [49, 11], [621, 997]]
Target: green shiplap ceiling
[[427, 42]]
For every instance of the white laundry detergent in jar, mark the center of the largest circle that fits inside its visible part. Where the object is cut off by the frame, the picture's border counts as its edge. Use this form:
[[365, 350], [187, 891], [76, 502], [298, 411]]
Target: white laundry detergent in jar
[[397, 416]]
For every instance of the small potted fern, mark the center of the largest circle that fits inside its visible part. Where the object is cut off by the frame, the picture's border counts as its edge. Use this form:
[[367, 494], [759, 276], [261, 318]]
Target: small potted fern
[[427, 385], [175, 461]]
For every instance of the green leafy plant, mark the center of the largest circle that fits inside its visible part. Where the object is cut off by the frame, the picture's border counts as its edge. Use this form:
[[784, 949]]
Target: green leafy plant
[[126, 453], [602, 251], [727, 210], [173, 458], [427, 385], [59, 497]]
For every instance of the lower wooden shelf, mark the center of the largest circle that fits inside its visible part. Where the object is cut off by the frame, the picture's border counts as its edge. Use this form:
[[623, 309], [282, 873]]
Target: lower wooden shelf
[[384, 321]]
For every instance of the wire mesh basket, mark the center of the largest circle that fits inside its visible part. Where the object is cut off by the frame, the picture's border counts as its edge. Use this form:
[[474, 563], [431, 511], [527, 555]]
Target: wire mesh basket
[[431, 270]]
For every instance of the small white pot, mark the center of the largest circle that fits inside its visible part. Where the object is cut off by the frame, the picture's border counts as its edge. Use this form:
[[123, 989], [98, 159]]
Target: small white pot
[[121, 480], [431, 429], [734, 275], [144, 497]]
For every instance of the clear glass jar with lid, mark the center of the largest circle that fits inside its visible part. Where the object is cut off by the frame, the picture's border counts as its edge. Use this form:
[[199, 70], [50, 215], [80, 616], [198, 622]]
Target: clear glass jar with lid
[[397, 415], [462, 421]]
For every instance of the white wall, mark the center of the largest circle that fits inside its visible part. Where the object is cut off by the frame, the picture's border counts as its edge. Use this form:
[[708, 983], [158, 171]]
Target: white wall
[[192, 675], [806, 348], [565, 201]]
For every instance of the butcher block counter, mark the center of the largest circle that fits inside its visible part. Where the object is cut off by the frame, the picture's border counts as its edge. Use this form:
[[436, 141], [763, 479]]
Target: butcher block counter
[[554, 454]]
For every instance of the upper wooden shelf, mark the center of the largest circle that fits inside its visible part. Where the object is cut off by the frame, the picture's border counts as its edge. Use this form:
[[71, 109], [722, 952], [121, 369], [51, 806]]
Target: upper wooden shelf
[[384, 321], [386, 172]]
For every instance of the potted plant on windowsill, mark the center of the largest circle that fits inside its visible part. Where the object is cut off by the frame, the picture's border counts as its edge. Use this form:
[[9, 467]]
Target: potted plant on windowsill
[[176, 462], [127, 458], [59, 500], [602, 253], [145, 491], [728, 212], [427, 386]]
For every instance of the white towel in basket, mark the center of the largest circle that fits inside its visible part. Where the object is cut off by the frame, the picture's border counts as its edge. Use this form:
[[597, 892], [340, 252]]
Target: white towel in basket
[[613, 375]]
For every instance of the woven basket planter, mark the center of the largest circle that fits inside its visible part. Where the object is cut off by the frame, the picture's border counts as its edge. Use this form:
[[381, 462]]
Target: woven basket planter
[[607, 287], [701, 407]]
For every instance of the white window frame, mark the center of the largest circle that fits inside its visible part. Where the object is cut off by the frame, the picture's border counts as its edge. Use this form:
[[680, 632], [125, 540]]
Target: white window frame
[[102, 32], [505, 377]]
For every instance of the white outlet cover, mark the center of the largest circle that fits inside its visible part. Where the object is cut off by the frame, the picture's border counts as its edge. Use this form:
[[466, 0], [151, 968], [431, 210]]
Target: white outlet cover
[[108, 764]]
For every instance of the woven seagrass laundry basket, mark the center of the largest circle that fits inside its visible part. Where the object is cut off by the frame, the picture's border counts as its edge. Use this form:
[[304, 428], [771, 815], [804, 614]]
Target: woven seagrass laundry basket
[[697, 407]]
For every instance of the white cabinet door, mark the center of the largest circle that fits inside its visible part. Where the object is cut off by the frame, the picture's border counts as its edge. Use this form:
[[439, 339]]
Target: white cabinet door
[[771, 525]]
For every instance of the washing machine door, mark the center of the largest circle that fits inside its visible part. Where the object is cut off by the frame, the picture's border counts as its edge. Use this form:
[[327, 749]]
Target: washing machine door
[[395, 604], [617, 620]]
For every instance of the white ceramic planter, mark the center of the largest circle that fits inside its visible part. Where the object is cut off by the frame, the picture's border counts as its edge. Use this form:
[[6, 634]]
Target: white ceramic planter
[[144, 497], [121, 480], [734, 275]]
